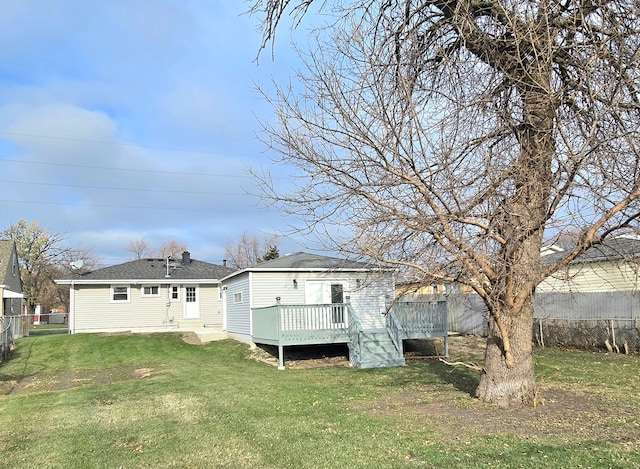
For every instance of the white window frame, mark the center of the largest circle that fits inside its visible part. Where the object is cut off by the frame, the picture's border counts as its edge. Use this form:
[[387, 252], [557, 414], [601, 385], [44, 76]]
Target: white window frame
[[237, 298], [174, 289], [150, 294], [112, 294]]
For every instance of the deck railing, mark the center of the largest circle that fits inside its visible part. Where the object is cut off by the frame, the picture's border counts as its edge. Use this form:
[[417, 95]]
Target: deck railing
[[301, 324], [313, 317], [394, 326], [284, 325], [421, 318]]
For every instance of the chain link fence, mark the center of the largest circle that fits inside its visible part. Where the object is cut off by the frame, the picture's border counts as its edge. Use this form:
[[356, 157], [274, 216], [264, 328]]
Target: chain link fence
[[614, 335], [6, 337], [588, 320]]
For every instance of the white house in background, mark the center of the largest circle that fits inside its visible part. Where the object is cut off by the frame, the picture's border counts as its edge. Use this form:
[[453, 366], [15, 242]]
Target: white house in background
[[306, 279], [147, 294], [609, 267]]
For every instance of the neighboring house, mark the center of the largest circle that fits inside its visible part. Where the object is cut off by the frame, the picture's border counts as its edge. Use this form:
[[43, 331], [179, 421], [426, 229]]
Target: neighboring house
[[610, 267], [311, 299], [11, 323], [147, 294], [10, 282]]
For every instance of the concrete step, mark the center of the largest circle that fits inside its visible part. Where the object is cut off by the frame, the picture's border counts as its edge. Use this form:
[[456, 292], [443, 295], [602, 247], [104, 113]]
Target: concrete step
[[211, 335], [190, 323]]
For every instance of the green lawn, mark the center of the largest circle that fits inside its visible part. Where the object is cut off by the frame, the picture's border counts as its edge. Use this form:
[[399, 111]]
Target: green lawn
[[137, 401]]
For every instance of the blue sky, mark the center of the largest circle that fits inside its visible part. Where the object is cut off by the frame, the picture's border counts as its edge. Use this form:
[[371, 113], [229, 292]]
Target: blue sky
[[127, 120]]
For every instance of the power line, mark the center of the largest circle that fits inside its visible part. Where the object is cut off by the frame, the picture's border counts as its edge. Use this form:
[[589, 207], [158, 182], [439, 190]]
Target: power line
[[118, 188], [73, 165], [108, 142], [68, 204]]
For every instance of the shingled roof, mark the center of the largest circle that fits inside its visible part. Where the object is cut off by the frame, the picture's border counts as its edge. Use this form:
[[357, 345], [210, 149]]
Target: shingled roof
[[611, 249], [156, 269], [303, 261]]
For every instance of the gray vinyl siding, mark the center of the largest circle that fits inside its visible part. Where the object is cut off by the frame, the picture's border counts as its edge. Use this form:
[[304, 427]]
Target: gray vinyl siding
[[239, 314], [368, 300], [371, 299], [266, 286]]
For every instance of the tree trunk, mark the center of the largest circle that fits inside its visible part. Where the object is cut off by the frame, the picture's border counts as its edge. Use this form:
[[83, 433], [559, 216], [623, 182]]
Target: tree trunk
[[503, 385]]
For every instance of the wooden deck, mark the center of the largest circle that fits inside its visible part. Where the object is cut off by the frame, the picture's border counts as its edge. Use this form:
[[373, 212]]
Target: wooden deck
[[285, 325]]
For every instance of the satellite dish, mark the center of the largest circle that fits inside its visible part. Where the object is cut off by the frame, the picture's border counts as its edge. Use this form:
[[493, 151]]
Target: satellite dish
[[77, 264]]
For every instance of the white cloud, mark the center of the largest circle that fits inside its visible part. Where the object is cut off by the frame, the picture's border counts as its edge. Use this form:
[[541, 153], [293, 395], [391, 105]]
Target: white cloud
[[124, 120]]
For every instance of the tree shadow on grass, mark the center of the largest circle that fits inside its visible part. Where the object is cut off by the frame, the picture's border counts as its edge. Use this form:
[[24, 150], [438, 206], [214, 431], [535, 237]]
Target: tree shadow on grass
[[462, 378], [433, 372]]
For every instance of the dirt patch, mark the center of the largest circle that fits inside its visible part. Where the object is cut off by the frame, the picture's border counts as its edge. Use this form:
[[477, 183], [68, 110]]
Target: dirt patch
[[45, 382], [303, 357], [191, 338], [337, 355], [565, 415], [142, 373]]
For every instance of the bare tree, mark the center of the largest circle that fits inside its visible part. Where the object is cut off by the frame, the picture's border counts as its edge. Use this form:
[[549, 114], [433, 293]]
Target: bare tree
[[43, 257], [251, 250], [139, 248], [37, 250], [172, 249], [452, 137], [71, 262]]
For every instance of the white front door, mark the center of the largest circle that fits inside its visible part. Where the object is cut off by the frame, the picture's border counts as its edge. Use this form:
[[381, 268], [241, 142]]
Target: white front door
[[191, 302]]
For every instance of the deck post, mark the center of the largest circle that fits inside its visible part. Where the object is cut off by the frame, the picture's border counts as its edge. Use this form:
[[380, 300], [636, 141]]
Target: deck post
[[280, 357], [280, 346]]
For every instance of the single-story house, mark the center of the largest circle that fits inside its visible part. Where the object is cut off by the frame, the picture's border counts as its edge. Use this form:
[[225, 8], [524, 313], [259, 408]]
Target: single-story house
[[608, 267], [304, 299], [147, 294]]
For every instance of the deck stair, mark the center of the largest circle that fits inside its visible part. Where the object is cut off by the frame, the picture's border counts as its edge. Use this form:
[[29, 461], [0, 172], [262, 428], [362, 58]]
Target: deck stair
[[377, 350]]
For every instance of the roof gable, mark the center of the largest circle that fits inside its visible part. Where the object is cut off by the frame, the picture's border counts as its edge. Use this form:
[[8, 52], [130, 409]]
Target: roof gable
[[9, 268]]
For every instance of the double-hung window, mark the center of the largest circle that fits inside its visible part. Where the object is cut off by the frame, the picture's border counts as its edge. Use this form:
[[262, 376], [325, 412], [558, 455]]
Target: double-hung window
[[119, 294]]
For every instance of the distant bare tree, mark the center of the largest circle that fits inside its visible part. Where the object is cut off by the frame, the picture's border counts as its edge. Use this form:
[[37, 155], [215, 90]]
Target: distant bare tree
[[451, 137], [43, 257], [139, 248], [73, 262], [251, 250], [172, 249]]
